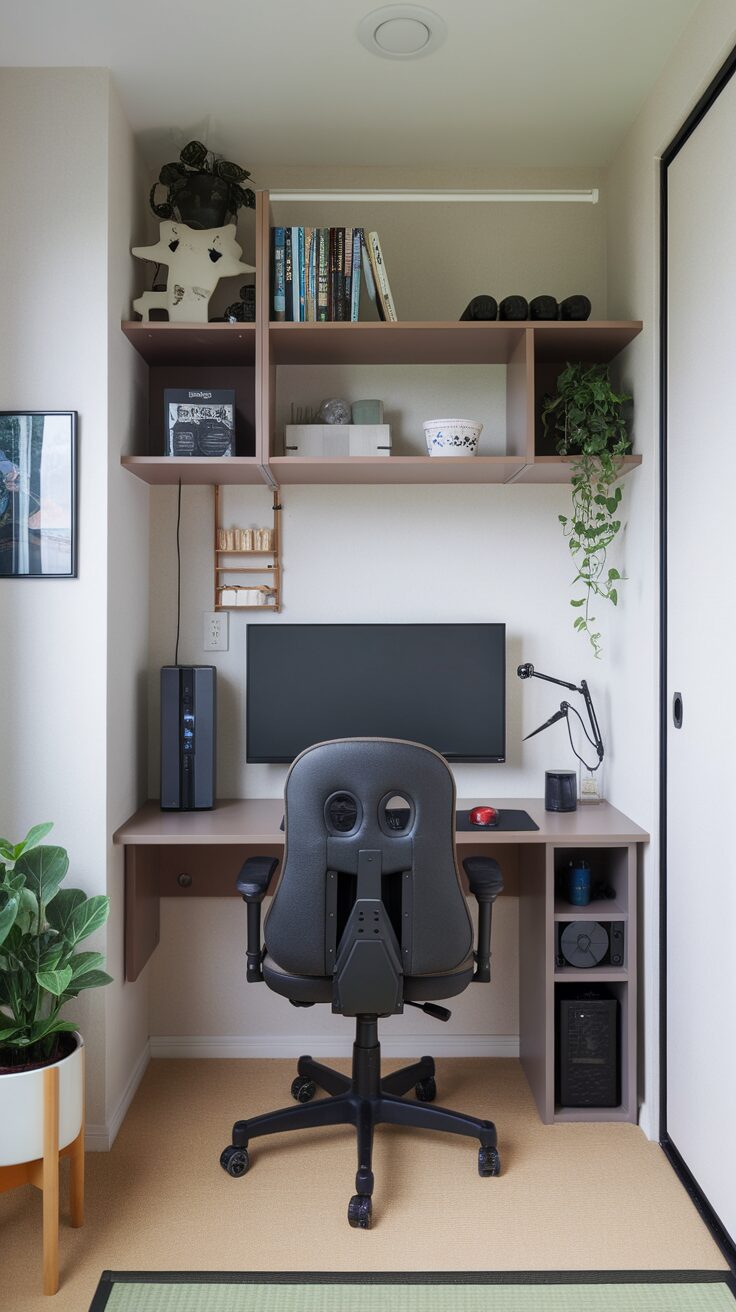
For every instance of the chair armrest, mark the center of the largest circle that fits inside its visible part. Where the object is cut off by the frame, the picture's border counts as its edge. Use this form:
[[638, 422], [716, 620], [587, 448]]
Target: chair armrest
[[255, 877], [486, 882], [252, 884]]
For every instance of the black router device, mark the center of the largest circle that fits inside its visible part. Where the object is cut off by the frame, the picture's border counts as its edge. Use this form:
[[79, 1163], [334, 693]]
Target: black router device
[[188, 720]]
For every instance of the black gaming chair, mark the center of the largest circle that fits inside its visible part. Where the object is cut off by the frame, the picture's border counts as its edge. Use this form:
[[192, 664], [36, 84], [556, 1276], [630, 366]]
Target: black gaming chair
[[368, 915]]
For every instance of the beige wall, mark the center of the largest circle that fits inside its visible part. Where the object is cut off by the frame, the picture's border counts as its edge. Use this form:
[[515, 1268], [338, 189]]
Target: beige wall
[[126, 1015], [73, 652], [632, 186], [53, 279]]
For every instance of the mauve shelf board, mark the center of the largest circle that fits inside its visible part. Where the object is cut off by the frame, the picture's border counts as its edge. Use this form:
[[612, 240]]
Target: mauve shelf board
[[158, 470], [607, 909], [393, 343], [395, 469], [193, 343], [584, 974], [558, 469], [595, 340], [566, 1115]]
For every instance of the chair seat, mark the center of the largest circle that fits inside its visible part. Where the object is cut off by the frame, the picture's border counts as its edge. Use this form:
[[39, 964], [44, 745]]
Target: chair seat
[[318, 988]]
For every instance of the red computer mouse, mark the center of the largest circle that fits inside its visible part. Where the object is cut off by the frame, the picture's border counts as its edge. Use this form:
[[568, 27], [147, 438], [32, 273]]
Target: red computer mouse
[[484, 816]]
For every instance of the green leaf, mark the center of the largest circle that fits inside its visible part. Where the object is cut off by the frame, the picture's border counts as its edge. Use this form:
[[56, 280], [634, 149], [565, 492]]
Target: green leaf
[[63, 907], [580, 602], [613, 596], [9, 1032], [613, 574], [42, 1028], [88, 917], [8, 914], [92, 979], [54, 981], [84, 962], [33, 838], [43, 869], [6, 850], [27, 917]]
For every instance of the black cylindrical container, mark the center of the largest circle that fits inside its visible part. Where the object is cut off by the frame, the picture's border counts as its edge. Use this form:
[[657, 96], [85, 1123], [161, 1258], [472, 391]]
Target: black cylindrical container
[[560, 790]]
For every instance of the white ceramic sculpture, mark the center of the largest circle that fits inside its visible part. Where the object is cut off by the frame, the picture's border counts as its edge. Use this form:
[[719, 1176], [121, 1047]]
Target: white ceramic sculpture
[[196, 261]]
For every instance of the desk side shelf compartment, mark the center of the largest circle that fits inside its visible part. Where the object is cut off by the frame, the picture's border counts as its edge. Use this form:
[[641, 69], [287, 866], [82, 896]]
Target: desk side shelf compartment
[[543, 907]]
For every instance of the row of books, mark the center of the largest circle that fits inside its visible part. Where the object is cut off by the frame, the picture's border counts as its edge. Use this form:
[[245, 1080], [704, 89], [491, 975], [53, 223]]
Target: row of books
[[316, 274]]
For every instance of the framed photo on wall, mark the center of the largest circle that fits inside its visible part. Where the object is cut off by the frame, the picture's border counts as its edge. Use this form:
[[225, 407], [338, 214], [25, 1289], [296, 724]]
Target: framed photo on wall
[[38, 494]]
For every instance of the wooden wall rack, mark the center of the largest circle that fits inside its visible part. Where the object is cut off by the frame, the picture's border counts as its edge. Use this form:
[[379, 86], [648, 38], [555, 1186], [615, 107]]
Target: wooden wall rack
[[271, 567]]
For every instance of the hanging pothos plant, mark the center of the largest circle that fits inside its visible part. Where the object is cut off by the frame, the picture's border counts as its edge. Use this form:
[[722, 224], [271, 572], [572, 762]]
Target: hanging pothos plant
[[586, 419]]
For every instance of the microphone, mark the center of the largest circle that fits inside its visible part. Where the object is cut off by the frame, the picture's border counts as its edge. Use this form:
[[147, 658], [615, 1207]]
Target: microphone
[[558, 715], [525, 671]]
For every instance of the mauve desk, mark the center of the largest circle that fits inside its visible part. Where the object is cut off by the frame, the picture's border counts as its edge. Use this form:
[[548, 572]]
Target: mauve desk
[[198, 854]]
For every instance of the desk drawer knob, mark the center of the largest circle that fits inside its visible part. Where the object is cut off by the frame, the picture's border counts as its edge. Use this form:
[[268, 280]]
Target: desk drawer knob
[[184, 881]]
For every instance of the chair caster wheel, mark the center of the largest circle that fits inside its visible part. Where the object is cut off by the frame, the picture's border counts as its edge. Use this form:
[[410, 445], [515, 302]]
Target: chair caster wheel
[[303, 1089], [359, 1211], [489, 1161], [234, 1160], [426, 1090]]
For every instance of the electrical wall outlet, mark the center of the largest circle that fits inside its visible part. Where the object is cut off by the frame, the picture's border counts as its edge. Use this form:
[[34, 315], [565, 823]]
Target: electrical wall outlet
[[216, 630]]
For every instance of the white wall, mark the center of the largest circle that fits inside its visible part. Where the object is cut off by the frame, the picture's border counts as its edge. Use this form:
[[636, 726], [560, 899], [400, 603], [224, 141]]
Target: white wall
[[73, 653], [633, 271], [126, 1015], [383, 554], [53, 281]]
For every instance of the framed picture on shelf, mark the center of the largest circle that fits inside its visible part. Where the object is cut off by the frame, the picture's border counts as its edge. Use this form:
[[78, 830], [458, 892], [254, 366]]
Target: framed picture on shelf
[[38, 494]]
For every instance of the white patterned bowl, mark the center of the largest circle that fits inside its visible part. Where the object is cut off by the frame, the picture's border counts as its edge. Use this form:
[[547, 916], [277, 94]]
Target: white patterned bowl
[[452, 437]]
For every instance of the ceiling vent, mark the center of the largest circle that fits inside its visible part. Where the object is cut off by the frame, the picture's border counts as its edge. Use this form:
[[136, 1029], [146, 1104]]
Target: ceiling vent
[[402, 31]]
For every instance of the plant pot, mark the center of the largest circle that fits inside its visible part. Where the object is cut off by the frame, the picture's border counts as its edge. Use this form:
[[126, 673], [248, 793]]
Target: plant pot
[[21, 1107], [452, 437], [201, 200]]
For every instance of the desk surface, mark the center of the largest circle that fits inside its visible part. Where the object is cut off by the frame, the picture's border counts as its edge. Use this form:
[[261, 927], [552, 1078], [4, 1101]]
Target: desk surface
[[251, 821]]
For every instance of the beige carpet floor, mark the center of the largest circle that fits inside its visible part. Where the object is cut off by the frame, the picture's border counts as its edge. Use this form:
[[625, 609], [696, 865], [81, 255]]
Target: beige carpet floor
[[571, 1197]]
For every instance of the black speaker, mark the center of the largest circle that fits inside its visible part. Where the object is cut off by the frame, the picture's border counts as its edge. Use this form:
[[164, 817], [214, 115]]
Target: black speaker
[[188, 722], [586, 944], [560, 790], [587, 1049]]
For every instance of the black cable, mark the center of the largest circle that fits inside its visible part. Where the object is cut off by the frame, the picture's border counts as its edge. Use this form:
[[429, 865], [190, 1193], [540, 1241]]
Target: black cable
[[591, 768], [178, 576]]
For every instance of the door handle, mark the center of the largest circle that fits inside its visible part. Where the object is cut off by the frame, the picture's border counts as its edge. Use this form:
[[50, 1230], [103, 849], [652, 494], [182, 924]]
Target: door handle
[[677, 710]]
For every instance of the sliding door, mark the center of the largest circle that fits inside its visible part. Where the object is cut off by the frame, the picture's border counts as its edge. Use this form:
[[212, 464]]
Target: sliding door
[[699, 710]]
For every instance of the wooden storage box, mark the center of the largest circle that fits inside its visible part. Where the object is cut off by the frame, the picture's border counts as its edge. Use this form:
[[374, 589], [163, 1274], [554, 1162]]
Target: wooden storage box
[[337, 440]]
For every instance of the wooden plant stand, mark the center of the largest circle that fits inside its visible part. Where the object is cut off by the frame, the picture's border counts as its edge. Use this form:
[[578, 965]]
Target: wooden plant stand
[[44, 1174]]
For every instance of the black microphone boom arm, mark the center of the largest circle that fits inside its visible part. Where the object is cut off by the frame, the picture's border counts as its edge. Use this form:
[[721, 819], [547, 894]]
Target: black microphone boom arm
[[528, 672]]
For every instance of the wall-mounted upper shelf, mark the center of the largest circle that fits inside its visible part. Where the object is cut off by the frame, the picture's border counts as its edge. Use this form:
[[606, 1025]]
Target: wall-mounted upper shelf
[[193, 344], [248, 357]]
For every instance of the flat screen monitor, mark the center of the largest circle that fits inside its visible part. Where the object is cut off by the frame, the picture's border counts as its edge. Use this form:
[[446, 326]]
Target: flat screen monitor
[[439, 684]]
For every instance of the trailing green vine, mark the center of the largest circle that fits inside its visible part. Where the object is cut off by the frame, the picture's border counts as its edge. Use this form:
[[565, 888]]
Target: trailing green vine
[[586, 418]]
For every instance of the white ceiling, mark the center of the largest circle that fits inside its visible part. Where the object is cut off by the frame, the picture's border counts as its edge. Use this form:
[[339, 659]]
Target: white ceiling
[[525, 83]]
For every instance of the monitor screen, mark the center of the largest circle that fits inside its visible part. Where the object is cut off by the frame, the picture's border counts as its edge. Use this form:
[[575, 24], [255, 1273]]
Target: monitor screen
[[439, 684]]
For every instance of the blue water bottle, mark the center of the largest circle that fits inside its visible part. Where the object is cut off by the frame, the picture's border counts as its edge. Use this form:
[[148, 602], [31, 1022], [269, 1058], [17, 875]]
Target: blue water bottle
[[579, 883]]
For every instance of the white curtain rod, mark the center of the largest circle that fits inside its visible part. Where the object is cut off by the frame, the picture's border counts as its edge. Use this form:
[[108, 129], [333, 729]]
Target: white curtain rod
[[588, 197]]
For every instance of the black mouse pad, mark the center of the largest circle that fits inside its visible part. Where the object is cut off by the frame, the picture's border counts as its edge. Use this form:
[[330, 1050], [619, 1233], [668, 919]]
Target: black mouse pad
[[508, 822]]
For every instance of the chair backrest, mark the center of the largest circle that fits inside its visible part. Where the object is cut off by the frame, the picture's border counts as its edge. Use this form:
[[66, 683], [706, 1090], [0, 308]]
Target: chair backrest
[[348, 866]]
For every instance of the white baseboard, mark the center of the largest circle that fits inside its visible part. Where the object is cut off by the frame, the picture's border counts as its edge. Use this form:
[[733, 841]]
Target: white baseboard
[[100, 1138], [322, 1045]]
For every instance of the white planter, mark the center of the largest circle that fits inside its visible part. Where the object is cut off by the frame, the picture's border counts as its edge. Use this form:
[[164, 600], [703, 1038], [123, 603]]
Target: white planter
[[452, 437], [21, 1108]]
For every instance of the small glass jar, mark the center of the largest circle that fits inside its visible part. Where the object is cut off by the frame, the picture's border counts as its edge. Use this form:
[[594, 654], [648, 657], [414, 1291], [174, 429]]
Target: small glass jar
[[590, 783]]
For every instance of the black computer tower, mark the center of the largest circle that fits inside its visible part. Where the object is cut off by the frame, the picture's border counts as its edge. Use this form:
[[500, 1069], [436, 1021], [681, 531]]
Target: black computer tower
[[188, 737], [587, 1048]]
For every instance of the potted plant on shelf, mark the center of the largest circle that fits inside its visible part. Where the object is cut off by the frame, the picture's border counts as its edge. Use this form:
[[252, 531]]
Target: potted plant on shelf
[[41, 1054], [202, 189], [587, 420]]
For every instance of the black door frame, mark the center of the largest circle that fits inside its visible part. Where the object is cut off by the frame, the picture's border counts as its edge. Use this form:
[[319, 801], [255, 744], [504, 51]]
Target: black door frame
[[725, 1241]]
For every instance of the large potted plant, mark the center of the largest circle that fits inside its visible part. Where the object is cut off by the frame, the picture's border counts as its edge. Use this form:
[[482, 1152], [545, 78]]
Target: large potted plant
[[202, 190], [587, 419], [41, 969]]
